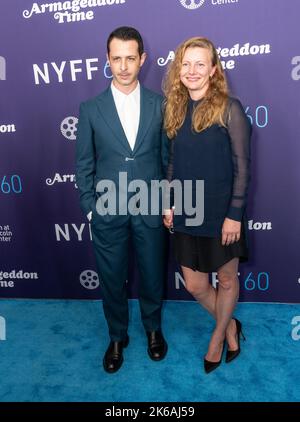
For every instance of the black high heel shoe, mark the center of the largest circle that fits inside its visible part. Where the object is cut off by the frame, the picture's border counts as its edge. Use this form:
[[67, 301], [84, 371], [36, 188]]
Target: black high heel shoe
[[211, 366], [232, 354]]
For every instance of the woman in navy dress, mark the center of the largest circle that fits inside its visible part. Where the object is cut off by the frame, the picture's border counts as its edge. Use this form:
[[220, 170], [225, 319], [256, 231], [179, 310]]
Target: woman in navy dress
[[209, 141]]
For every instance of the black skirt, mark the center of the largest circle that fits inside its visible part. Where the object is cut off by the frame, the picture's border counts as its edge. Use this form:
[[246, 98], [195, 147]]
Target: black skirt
[[207, 254]]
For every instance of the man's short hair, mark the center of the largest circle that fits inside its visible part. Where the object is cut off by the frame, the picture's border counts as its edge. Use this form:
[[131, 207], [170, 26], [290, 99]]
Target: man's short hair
[[126, 33]]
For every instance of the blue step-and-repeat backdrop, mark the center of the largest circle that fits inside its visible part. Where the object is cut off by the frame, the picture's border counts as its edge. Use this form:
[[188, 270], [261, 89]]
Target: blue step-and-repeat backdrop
[[52, 57]]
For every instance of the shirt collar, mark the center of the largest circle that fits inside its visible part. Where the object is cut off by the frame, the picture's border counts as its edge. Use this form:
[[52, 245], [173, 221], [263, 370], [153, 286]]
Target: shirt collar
[[121, 96]]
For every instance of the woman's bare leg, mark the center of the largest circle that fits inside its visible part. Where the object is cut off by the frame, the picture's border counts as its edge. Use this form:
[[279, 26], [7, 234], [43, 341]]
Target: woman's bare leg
[[226, 299], [197, 283]]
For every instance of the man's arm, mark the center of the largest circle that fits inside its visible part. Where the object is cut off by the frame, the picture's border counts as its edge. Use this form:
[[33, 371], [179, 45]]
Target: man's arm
[[85, 161], [164, 144]]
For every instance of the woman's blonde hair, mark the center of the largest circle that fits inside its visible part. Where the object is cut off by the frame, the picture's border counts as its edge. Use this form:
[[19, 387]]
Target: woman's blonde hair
[[211, 109]]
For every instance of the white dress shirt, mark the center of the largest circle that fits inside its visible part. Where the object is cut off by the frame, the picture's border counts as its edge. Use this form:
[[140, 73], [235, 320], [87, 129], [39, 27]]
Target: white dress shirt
[[128, 108]]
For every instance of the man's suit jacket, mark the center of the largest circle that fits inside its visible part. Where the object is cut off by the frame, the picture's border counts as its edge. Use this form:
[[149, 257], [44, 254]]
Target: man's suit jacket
[[102, 151]]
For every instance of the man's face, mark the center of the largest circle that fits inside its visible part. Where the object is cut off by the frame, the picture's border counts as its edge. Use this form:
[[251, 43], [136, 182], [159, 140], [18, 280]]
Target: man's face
[[125, 62]]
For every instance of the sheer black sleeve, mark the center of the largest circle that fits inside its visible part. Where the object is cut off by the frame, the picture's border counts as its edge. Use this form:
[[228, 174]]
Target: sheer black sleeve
[[239, 129]]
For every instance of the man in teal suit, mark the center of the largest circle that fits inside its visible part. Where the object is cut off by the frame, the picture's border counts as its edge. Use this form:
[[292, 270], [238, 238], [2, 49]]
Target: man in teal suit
[[120, 142]]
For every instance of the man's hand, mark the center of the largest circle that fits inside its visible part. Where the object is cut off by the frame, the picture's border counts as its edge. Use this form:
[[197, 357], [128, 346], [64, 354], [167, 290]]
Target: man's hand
[[231, 231], [168, 218]]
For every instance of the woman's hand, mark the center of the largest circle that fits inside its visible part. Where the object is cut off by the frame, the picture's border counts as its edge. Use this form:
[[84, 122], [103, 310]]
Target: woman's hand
[[231, 231], [168, 218]]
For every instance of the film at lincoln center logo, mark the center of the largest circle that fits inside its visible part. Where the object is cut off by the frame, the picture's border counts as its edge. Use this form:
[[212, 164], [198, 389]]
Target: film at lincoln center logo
[[192, 4]]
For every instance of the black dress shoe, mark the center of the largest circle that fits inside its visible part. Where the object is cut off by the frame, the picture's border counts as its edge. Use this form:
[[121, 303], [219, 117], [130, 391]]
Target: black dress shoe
[[232, 354], [157, 346], [113, 357]]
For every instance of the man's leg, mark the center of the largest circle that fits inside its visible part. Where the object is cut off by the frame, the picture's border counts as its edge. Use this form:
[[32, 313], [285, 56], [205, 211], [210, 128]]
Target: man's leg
[[149, 245], [150, 248], [111, 250]]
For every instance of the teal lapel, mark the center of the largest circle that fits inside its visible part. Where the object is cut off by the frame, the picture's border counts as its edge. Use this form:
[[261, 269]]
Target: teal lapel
[[146, 115], [108, 110]]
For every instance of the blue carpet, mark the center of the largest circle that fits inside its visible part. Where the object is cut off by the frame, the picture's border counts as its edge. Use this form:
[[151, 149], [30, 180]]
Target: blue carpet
[[53, 352]]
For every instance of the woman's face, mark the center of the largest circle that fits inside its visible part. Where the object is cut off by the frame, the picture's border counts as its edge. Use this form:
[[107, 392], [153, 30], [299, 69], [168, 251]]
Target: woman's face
[[196, 69]]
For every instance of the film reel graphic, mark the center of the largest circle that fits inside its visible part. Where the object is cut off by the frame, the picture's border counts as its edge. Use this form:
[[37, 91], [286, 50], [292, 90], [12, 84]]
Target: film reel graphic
[[192, 4]]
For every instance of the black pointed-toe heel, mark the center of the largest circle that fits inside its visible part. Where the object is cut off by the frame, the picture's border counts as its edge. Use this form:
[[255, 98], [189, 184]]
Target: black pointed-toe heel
[[232, 354], [211, 366]]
